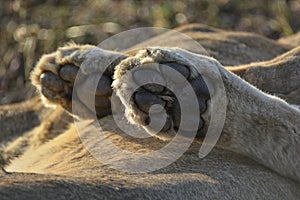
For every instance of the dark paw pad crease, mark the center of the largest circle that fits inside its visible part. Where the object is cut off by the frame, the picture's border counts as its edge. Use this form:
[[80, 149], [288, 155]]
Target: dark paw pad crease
[[147, 100]]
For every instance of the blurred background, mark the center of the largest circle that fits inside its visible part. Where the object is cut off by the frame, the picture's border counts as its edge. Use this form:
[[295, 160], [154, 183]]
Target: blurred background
[[33, 27]]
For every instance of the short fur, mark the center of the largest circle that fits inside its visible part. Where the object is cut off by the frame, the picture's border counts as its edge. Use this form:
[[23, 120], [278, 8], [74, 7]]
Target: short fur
[[261, 141]]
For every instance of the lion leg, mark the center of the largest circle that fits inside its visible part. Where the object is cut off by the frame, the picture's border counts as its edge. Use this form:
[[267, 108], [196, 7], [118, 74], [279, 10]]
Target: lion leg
[[257, 125], [55, 74], [279, 76]]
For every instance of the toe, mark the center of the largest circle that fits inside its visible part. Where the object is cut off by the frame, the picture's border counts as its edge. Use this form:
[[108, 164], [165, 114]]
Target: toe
[[68, 73], [51, 81]]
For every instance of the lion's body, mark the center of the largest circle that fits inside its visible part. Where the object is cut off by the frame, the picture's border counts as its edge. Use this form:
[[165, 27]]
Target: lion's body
[[222, 174], [53, 162]]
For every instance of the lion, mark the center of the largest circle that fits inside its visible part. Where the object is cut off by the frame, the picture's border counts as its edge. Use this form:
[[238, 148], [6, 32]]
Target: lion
[[256, 155]]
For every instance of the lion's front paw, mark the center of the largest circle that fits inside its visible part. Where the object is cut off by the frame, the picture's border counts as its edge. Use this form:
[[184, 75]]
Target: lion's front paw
[[161, 93], [55, 74]]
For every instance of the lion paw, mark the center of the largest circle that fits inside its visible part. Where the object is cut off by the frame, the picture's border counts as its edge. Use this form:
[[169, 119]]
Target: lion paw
[[155, 88], [55, 74]]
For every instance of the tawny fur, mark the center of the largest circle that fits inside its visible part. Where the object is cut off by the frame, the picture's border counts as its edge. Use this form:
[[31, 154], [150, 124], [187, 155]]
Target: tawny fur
[[258, 126]]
